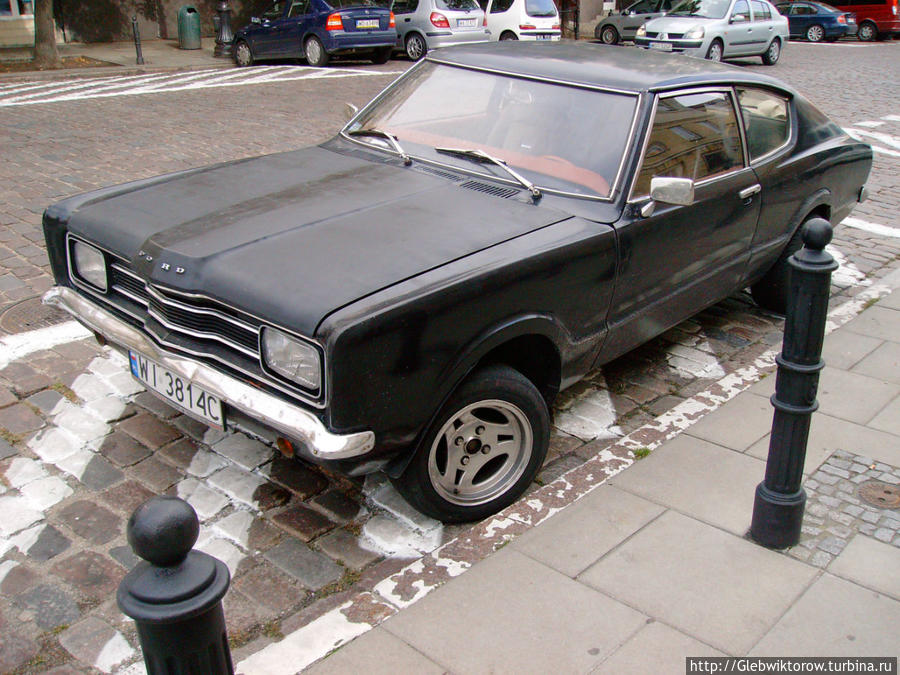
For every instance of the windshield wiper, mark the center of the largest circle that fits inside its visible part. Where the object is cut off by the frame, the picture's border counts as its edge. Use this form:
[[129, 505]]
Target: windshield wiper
[[482, 156], [390, 138]]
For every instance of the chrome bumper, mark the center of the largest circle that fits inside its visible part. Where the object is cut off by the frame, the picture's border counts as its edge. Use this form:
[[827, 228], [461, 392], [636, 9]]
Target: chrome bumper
[[273, 412]]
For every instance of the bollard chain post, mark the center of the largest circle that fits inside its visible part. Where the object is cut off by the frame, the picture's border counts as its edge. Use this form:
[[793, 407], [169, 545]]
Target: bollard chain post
[[175, 594], [137, 41], [780, 499]]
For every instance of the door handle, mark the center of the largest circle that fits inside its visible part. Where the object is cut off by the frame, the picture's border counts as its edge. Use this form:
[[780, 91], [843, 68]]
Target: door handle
[[746, 193]]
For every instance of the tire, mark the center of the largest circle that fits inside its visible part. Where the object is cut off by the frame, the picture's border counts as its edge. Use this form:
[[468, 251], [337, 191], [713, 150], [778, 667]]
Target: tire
[[715, 51], [456, 475], [609, 35], [416, 47], [815, 33], [508, 35], [382, 55], [771, 292], [315, 53], [243, 55], [773, 53], [867, 31]]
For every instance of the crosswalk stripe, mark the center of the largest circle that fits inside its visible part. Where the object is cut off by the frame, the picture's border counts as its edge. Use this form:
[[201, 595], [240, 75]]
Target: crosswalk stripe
[[874, 228]]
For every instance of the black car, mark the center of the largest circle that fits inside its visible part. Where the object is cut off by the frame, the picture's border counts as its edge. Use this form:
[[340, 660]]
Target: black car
[[411, 295]]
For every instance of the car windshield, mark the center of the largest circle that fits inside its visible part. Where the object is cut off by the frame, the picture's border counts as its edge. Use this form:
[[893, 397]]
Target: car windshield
[[559, 137], [540, 8], [710, 9], [456, 5]]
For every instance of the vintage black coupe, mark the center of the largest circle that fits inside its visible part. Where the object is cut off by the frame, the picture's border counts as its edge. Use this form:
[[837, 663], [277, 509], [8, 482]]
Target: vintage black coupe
[[412, 294]]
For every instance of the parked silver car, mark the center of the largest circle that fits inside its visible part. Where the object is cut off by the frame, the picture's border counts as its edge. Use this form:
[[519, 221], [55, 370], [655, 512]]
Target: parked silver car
[[429, 24], [718, 29], [623, 25]]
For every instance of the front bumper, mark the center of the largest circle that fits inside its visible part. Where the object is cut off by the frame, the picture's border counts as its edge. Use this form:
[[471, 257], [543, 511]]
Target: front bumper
[[691, 47], [277, 414]]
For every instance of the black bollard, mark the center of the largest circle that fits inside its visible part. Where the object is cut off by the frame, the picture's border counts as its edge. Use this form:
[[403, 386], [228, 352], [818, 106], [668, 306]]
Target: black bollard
[[137, 41], [780, 499], [224, 36], [175, 594]]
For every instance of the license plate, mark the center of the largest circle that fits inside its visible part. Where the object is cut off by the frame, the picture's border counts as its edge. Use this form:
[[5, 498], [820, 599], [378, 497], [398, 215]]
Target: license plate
[[467, 23], [367, 23], [174, 388], [661, 46], [543, 36]]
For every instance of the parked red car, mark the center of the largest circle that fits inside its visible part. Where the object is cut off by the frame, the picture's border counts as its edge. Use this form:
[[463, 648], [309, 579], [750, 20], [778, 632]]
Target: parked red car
[[877, 19]]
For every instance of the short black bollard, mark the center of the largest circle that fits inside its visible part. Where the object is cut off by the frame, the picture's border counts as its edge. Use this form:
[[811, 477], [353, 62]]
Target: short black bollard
[[780, 499], [175, 594], [224, 36], [137, 41]]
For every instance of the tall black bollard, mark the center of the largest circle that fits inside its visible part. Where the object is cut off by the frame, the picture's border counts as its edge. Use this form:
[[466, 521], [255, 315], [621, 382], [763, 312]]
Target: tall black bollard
[[780, 500], [224, 36], [137, 41], [175, 594]]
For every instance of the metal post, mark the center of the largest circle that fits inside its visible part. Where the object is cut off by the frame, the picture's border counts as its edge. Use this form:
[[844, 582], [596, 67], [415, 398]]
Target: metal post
[[780, 500], [224, 36], [137, 40], [175, 594]]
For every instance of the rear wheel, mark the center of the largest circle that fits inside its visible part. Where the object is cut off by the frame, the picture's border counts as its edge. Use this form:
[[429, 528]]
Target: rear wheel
[[773, 53], [609, 35], [714, 53], [315, 52], [771, 292], [815, 33], [482, 450], [508, 35], [380, 56], [868, 31], [243, 55], [416, 47]]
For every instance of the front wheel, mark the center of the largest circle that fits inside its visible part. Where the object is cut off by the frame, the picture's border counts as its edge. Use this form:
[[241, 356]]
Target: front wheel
[[315, 53], [609, 35], [815, 33], [482, 450], [773, 53], [868, 31], [714, 53]]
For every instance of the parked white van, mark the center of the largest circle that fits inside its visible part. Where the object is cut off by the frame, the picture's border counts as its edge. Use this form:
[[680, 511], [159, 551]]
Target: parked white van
[[522, 19]]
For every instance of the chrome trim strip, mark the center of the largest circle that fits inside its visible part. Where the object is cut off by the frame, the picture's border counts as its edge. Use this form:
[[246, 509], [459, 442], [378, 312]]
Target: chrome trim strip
[[200, 334], [151, 290], [280, 415]]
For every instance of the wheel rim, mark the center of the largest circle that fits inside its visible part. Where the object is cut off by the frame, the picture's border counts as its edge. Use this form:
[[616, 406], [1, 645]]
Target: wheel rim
[[774, 51], [415, 48], [243, 54], [609, 35], [715, 52], [480, 452], [866, 32], [313, 51], [815, 33]]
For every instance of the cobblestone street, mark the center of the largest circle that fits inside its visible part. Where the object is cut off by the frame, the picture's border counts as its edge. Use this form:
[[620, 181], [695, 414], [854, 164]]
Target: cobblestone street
[[82, 445]]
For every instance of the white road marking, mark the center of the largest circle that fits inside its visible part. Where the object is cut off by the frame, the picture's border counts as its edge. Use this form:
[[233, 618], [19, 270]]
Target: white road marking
[[874, 228], [14, 347], [891, 118], [863, 135], [869, 123], [847, 274]]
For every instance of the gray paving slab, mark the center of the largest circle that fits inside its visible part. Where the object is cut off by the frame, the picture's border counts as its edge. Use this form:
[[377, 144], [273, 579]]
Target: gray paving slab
[[828, 434], [883, 362], [835, 617], [870, 563], [511, 614], [376, 653], [657, 649], [877, 321], [581, 534], [700, 479], [738, 424], [888, 419], [721, 589], [765, 387], [844, 349], [853, 397], [892, 301]]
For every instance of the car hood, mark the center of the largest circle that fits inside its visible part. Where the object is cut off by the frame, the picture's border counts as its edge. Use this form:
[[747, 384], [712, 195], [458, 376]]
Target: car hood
[[295, 236], [678, 24]]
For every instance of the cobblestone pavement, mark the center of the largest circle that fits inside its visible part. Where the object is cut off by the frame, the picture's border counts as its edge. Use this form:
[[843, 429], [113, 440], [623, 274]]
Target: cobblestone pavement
[[83, 445]]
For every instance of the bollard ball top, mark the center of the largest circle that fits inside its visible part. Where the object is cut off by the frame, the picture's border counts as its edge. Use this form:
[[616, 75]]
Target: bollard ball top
[[163, 530], [817, 233]]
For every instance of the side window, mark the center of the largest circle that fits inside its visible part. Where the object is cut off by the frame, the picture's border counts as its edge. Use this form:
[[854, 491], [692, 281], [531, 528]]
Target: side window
[[803, 10], [501, 6], [741, 12], [643, 7], [766, 120], [405, 6], [274, 12], [694, 136], [298, 8], [760, 11]]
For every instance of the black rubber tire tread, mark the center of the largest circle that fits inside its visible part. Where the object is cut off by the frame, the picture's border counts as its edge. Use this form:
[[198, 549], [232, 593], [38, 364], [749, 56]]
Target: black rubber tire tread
[[771, 292], [497, 382], [323, 60], [382, 55]]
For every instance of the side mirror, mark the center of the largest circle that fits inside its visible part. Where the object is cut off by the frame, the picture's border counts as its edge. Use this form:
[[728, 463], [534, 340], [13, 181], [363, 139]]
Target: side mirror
[[255, 19], [672, 190], [350, 111]]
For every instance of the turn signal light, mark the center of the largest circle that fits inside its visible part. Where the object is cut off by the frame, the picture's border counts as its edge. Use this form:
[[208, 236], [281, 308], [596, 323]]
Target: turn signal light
[[439, 20], [393, 23], [842, 19], [484, 21], [556, 26], [334, 22]]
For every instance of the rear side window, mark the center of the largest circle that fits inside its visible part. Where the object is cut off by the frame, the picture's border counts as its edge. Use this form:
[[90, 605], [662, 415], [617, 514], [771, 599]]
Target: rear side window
[[760, 11], [766, 120], [694, 136], [456, 5], [501, 6], [405, 6]]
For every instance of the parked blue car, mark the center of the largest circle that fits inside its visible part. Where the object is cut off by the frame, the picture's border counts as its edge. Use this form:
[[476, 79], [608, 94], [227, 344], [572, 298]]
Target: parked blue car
[[817, 21], [317, 30]]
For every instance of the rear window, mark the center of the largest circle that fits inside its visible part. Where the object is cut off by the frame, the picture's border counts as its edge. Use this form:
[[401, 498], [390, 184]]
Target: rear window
[[347, 4], [540, 8], [456, 5]]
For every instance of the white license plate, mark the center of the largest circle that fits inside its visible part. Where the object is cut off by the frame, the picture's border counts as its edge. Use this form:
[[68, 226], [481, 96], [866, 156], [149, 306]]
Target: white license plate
[[543, 36], [661, 46], [467, 23], [367, 23], [183, 393]]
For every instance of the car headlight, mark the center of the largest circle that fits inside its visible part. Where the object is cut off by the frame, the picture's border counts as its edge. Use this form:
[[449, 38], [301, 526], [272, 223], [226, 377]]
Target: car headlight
[[695, 33], [292, 358], [641, 31], [89, 264]]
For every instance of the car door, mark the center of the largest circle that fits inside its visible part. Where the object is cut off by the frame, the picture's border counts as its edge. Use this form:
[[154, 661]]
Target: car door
[[802, 17], [762, 27], [739, 32], [404, 12], [294, 26], [638, 14], [266, 43], [679, 259]]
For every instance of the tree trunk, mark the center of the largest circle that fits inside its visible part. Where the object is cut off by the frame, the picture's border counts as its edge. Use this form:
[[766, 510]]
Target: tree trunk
[[45, 53]]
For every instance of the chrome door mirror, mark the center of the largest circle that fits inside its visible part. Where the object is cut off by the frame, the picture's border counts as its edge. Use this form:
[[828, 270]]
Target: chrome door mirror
[[672, 190]]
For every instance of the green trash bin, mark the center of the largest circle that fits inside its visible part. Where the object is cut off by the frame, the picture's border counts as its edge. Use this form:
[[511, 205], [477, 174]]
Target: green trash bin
[[188, 27]]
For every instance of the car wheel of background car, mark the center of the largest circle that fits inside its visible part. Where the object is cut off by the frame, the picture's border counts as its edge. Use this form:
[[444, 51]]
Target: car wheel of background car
[[380, 56], [482, 450], [243, 56], [508, 35], [714, 53], [416, 47], [315, 53], [868, 31], [771, 292], [815, 33], [773, 53], [609, 35]]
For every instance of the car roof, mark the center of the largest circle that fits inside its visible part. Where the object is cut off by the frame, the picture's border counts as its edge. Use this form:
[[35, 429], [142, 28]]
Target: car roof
[[599, 66]]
